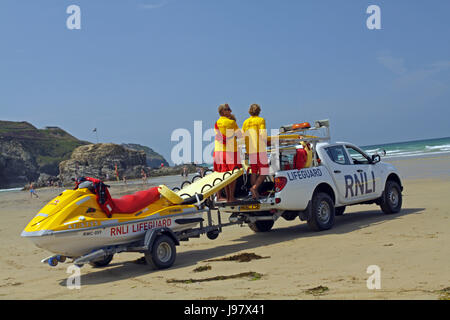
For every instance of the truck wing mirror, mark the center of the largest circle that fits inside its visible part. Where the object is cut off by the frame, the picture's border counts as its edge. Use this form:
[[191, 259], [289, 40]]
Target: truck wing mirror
[[376, 158]]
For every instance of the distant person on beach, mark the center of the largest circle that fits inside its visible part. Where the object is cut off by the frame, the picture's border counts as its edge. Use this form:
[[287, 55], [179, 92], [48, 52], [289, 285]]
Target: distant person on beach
[[33, 192], [117, 172], [185, 172], [144, 176], [255, 133], [200, 171], [226, 155]]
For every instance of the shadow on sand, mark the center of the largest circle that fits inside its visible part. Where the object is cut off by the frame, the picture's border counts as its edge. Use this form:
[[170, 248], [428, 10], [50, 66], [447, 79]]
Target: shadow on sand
[[344, 224]]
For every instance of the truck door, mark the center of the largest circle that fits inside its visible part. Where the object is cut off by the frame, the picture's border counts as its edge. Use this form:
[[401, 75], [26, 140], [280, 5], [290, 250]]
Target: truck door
[[363, 180], [340, 167]]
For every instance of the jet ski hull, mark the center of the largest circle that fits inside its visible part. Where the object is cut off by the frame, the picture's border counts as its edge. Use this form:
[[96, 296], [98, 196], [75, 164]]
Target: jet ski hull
[[73, 223], [74, 243]]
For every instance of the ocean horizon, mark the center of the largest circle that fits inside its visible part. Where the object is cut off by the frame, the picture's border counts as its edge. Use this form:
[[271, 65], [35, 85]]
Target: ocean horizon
[[411, 149]]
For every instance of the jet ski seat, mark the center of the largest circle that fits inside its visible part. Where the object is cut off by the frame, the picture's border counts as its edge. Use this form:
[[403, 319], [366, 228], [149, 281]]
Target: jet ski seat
[[126, 204], [134, 202]]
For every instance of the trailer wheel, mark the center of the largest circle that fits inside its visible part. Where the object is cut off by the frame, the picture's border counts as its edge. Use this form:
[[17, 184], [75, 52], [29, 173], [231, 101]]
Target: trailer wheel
[[322, 212], [261, 226], [391, 200], [212, 235], [162, 253], [102, 262]]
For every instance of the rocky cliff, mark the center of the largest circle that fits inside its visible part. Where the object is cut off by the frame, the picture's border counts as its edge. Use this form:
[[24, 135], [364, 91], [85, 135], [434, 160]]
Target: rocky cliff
[[26, 152], [153, 158], [17, 166], [100, 161]]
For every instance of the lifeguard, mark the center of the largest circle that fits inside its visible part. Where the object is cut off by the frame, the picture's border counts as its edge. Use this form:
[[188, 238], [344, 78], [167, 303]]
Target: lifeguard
[[226, 156], [255, 133]]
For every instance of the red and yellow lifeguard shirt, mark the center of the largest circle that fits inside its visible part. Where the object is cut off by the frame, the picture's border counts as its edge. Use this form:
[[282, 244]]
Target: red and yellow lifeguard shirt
[[255, 133]]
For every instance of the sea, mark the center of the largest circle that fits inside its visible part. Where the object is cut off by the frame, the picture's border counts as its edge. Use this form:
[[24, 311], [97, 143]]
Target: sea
[[394, 151], [411, 149]]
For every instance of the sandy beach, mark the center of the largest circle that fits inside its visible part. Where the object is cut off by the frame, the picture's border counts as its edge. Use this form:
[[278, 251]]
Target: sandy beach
[[411, 249]]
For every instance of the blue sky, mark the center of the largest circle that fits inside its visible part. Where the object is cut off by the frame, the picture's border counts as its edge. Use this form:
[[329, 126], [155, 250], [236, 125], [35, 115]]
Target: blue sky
[[139, 69]]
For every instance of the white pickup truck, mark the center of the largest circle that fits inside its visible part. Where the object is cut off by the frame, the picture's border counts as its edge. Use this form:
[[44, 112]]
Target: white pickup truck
[[338, 175]]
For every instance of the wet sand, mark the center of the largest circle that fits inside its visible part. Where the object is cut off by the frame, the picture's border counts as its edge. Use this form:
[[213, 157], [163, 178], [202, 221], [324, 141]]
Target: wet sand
[[410, 248]]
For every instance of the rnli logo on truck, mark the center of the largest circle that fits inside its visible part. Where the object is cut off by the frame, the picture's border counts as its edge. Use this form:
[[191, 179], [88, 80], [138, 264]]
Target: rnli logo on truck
[[355, 185], [139, 227]]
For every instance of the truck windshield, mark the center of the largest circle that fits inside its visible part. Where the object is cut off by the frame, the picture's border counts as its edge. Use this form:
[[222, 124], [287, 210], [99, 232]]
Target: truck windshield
[[357, 156]]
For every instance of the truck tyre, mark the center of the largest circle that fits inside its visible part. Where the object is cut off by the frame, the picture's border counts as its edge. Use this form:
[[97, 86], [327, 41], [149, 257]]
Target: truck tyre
[[103, 262], [162, 254], [322, 212], [339, 211], [391, 200], [261, 226]]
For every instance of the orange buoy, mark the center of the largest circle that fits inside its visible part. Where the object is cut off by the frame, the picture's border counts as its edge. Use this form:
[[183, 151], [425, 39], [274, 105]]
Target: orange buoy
[[304, 125], [296, 126]]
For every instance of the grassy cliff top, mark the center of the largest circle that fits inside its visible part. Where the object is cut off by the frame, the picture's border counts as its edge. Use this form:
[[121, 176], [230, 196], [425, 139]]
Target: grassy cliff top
[[25, 130], [49, 146]]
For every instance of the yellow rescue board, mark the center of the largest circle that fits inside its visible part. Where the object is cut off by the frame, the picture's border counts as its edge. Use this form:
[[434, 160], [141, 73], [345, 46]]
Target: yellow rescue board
[[170, 195], [210, 184]]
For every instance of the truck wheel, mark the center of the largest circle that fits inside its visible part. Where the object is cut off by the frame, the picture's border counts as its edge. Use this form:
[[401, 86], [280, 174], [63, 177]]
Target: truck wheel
[[391, 200], [322, 212], [162, 254], [339, 211], [261, 226], [102, 262]]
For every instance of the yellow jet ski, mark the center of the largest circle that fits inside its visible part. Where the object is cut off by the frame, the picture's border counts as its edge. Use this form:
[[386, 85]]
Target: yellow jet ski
[[89, 226]]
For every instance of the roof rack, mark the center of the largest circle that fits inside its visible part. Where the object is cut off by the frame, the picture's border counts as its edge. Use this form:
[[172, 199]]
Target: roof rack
[[291, 136], [295, 133]]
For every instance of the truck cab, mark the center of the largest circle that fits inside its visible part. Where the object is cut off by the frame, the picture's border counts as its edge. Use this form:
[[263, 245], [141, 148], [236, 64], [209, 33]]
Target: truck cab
[[356, 175]]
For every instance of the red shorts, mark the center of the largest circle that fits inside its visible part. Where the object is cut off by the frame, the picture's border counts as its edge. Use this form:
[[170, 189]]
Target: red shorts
[[259, 163], [226, 161]]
